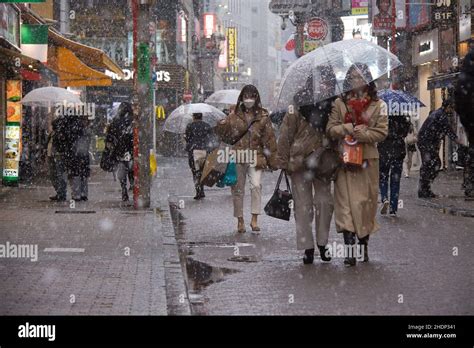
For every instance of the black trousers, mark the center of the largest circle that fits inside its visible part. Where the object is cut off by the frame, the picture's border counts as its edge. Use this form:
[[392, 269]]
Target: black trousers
[[430, 166], [197, 173], [469, 178]]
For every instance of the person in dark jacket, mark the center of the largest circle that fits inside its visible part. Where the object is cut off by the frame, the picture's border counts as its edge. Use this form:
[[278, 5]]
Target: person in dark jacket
[[197, 136], [80, 171], [464, 99], [120, 139], [56, 159], [435, 128], [392, 153]]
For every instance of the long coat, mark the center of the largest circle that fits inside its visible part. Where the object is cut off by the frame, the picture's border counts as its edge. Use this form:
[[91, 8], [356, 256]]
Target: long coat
[[260, 136], [356, 190], [296, 141]]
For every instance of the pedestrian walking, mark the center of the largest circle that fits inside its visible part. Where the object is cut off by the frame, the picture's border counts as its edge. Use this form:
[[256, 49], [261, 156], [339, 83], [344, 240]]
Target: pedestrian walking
[[55, 155], [435, 128], [392, 152], [250, 122], [80, 171], [198, 137], [410, 148], [119, 142], [301, 133], [362, 115], [464, 97]]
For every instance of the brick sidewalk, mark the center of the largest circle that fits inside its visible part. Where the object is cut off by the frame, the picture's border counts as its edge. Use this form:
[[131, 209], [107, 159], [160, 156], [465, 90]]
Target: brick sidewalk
[[100, 277]]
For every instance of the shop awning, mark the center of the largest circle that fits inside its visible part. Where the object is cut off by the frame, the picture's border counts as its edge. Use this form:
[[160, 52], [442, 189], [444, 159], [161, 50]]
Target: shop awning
[[442, 81], [72, 72], [89, 55]]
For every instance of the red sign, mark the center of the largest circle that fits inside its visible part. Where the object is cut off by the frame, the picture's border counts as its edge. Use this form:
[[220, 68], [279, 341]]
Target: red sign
[[317, 29]]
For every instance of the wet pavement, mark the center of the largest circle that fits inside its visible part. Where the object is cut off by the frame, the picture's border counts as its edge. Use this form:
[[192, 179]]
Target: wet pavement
[[420, 262]]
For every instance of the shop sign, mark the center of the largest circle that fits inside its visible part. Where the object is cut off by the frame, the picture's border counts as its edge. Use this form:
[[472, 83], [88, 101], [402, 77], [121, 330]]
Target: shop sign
[[317, 29], [9, 24], [425, 47], [232, 58], [385, 18], [360, 7], [12, 150], [447, 51], [160, 112], [419, 14], [284, 6], [443, 12], [128, 74], [144, 72]]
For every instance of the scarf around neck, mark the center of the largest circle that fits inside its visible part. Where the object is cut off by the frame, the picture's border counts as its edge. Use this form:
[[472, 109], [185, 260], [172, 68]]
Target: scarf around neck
[[356, 107]]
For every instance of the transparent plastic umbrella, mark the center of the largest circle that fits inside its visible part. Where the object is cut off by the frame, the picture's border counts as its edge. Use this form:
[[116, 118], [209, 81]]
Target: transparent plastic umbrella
[[224, 97], [49, 96], [339, 57], [183, 115]]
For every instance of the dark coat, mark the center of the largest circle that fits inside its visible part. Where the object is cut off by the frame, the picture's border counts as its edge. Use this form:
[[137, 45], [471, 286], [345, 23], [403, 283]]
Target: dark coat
[[197, 136], [393, 147], [434, 129], [71, 140], [464, 93], [120, 137]]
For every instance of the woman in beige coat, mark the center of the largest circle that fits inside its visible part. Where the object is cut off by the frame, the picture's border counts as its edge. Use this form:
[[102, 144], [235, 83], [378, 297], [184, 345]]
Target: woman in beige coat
[[257, 147], [361, 114]]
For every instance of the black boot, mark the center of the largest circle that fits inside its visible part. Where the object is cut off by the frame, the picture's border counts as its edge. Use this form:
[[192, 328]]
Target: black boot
[[124, 194], [308, 257], [349, 241], [323, 250], [365, 242]]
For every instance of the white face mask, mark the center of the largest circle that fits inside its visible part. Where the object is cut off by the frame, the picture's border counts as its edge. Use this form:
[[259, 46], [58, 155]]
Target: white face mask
[[249, 103]]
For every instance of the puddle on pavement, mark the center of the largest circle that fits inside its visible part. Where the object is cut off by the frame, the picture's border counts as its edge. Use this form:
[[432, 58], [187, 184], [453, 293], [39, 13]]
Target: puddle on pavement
[[198, 274]]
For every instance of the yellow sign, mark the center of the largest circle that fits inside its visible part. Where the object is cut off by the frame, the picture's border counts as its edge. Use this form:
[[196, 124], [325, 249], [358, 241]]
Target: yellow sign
[[160, 112], [232, 59]]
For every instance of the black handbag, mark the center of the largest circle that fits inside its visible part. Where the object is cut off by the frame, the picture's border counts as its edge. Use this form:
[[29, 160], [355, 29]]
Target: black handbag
[[279, 205]]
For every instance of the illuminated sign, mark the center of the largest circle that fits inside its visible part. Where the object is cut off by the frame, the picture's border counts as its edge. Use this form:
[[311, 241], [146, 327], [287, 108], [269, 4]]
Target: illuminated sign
[[232, 59], [209, 24], [12, 150], [425, 47], [160, 112]]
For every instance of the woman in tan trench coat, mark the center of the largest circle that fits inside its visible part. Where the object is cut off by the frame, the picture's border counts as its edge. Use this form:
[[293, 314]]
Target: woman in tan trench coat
[[356, 188], [258, 144]]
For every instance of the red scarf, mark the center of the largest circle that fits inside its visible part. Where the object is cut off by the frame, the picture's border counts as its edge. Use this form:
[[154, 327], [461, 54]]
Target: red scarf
[[357, 106]]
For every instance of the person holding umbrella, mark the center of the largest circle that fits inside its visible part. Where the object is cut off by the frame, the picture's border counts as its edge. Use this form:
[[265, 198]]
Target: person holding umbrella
[[360, 114], [301, 133], [250, 124]]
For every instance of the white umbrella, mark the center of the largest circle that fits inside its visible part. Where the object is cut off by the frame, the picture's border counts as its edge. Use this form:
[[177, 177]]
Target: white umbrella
[[224, 97], [48, 96], [182, 116]]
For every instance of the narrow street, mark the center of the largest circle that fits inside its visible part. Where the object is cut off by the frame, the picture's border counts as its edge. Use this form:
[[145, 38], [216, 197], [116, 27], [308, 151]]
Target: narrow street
[[411, 256]]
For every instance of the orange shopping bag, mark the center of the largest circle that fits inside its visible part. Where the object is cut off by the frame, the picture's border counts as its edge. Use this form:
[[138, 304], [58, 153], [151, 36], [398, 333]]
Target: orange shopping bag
[[352, 151]]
